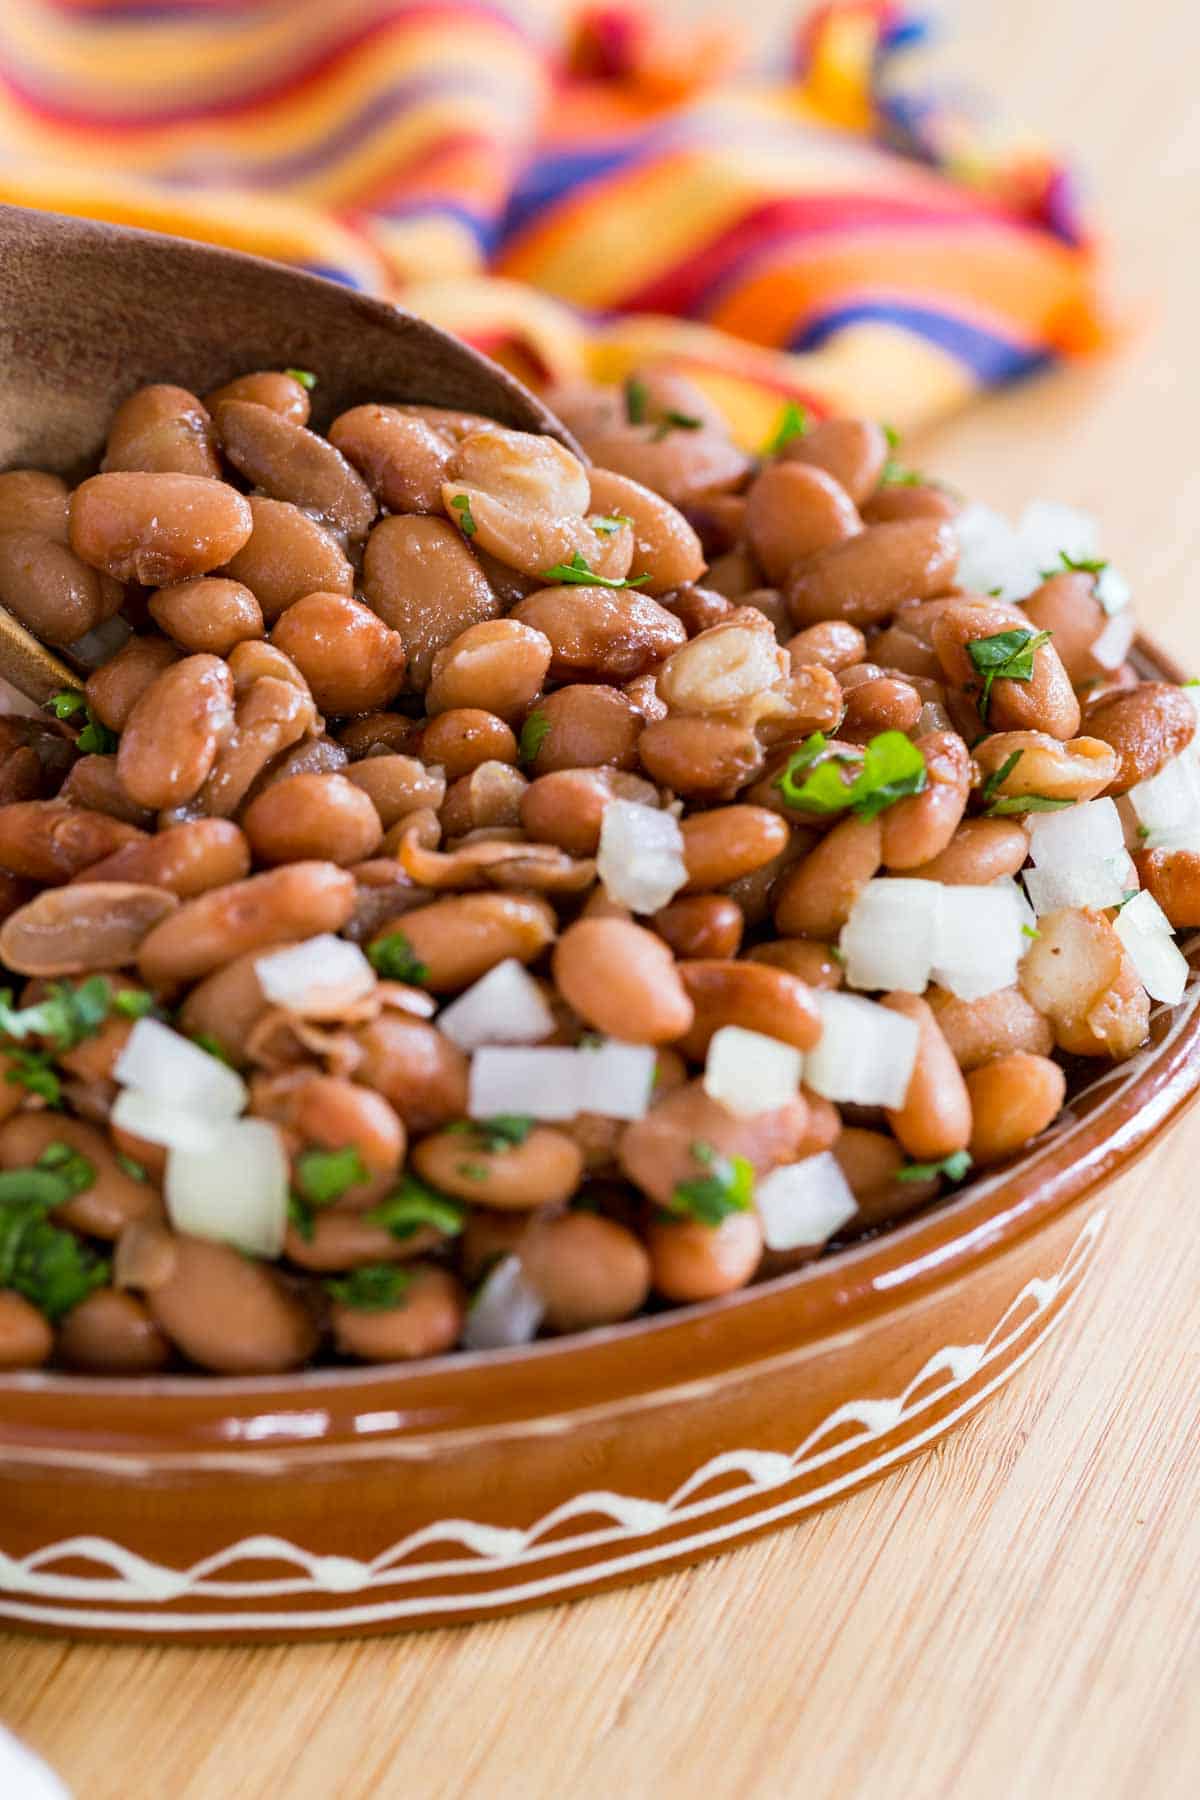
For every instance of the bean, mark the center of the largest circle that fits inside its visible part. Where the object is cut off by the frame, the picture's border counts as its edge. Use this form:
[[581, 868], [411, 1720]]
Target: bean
[[657, 1154], [980, 852], [397, 786], [1066, 605], [497, 666], [734, 574], [871, 1161], [273, 388], [1173, 879], [86, 927], [642, 695], [697, 608], [1146, 727], [543, 1170], [621, 979], [566, 807], [164, 430], [665, 546], [587, 1270], [884, 704], [1080, 769], [832, 644], [816, 898], [31, 500], [751, 995], [115, 688], [810, 962], [224, 1311], [853, 451], [26, 1339], [299, 901], [330, 1112], [690, 1261], [869, 576], [48, 842], [1046, 702], [702, 756], [309, 756], [51, 590], [486, 799], [289, 462], [157, 528], [210, 613], [598, 634], [375, 732], [94, 786], [186, 859], [428, 1320], [423, 581], [226, 1006], [918, 828], [705, 926], [935, 1119], [172, 736], [463, 936], [465, 736], [94, 1058], [922, 500], [287, 556], [312, 816], [1079, 975], [585, 726], [722, 668], [730, 841], [112, 1200], [719, 519], [348, 656], [401, 457], [334, 1241], [1013, 1099], [417, 1070], [995, 1025], [795, 510], [112, 1333], [682, 466]]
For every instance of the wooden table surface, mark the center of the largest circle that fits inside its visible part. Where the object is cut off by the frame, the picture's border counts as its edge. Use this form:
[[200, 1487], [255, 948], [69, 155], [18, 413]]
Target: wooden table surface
[[1015, 1615]]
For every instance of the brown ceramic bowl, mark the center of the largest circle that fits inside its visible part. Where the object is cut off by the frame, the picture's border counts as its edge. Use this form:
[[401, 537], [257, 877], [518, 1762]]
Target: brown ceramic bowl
[[365, 1500]]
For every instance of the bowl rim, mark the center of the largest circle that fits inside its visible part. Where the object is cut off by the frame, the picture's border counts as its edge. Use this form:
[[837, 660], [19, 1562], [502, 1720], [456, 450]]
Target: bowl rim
[[805, 1310]]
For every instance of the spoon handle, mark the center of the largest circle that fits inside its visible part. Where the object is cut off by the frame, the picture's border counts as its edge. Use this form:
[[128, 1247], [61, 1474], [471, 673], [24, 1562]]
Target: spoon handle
[[32, 669]]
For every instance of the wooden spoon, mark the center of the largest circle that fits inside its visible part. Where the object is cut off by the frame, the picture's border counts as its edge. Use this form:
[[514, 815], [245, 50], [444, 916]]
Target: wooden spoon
[[89, 312]]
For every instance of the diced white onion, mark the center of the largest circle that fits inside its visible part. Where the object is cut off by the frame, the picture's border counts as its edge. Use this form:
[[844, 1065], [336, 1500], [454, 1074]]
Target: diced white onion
[[161, 1121], [979, 940], [505, 1006], [1085, 833], [1168, 804], [617, 1080], [750, 1073], [1113, 592], [235, 1191], [804, 1203], [1011, 561], [1112, 646], [162, 1063], [865, 1054], [1103, 883], [991, 555], [640, 859], [1048, 530], [889, 939], [1145, 931], [318, 978], [543, 1084], [506, 1311]]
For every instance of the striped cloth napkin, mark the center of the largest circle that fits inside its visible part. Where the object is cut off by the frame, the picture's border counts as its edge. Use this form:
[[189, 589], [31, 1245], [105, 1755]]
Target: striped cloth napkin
[[577, 192]]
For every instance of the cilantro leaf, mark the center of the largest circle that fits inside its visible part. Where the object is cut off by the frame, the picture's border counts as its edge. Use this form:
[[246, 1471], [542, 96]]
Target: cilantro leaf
[[302, 1216], [793, 423], [133, 1003], [1000, 775], [608, 524], [393, 958], [1082, 565], [578, 573], [323, 1176], [204, 1040], [132, 1168], [889, 768], [1030, 931], [533, 735], [504, 1131], [954, 1168], [35, 1071], [64, 1017], [461, 504], [377, 1287], [96, 739], [305, 377], [67, 702], [676, 421], [1007, 804], [413, 1205], [1005, 656], [637, 399], [727, 1187], [47, 1265]]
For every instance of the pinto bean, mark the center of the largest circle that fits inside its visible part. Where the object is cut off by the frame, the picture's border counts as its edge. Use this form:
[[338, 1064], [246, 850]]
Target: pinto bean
[[721, 846], [853, 451], [112, 1333], [587, 1269], [899, 500], [26, 1338], [172, 736], [724, 667], [301, 900], [157, 528], [833, 644], [980, 852], [113, 1199], [1080, 769], [598, 634], [348, 656], [1013, 1100], [85, 927], [621, 979], [52, 590], [935, 1119], [423, 581], [403, 459], [642, 695], [704, 925], [566, 807], [996, 1025], [210, 613], [422, 1074], [665, 545], [427, 1320], [186, 859], [114, 689], [164, 430], [690, 1261], [1079, 975], [289, 462], [275, 388], [585, 726], [918, 828], [701, 756], [734, 574], [657, 1152], [464, 737], [497, 666], [543, 1170], [93, 785], [1046, 702], [310, 816], [288, 555], [45, 841], [750, 994], [335, 1240], [697, 608], [397, 785], [815, 898], [461, 937], [489, 797], [223, 1310], [872, 1161], [810, 962], [886, 703], [1066, 605], [1146, 727], [869, 576], [1173, 879], [31, 500], [795, 510]]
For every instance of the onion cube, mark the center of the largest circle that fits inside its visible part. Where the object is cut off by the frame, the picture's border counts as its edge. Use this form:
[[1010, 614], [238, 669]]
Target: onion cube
[[804, 1203], [865, 1054], [505, 1006], [318, 978], [505, 1312], [1168, 804], [888, 941], [1076, 836], [1103, 883], [980, 941], [1112, 646], [750, 1073], [160, 1121], [640, 859], [617, 1080], [235, 1191], [167, 1066], [1145, 931], [541, 1083]]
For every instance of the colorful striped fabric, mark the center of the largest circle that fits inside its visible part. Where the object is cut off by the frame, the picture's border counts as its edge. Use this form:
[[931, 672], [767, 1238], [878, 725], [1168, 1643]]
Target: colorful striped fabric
[[577, 193]]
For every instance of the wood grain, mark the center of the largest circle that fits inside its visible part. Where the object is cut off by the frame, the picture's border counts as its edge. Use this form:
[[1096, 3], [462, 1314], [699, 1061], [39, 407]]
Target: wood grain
[[1015, 1615]]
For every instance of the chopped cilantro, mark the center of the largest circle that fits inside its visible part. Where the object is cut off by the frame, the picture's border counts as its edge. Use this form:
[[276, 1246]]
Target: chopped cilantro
[[609, 524], [793, 423], [67, 702], [48, 1266], [578, 573], [461, 504], [323, 1176], [1080, 565], [204, 1040], [133, 1003], [952, 1167], [393, 958], [999, 776], [727, 1187], [504, 1131], [888, 769], [413, 1205], [1007, 804], [64, 1017], [302, 1216], [34, 1070], [676, 421], [1030, 931], [1127, 894], [636, 400], [305, 377], [1143, 832], [472, 1170], [59, 1173], [131, 1166], [1006, 656], [375, 1288], [533, 735], [96, 739]]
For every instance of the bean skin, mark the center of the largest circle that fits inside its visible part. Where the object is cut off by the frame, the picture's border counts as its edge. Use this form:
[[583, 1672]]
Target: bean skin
[[690, 1261], [112, 1201], [31, 500], [600, 635], [567, 806], [1146, 727], [112, 1333], [51, 590], [26, 1339], [996, 1025], [622, 979], [816, 898], [348, 656], [115, 688], [853, 451], [459, 938], [289, 462], [656, 1153], [274, 388], [832, 645], [750, 994], [795, 510], [729, 842], [45, 841], [288, 555], [1172, 877], [312, 816], [708, 756], [464, 737], [980, 852], [423, 581], [1080, 769], [165, 430], [665, 546], [1046, 702], [587, 1269], [810, 962], [157, 528], [227, 1312], [186, 859], [422, 1074], [935, 1120], [865, 579], [209, 613], [300, 900], [402, 458], [88, 926], [544, 1170], [586, 726], [172, 736], [428, 1321], [497, 666], [1013, 1099], [704, 925], [920, 827]]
